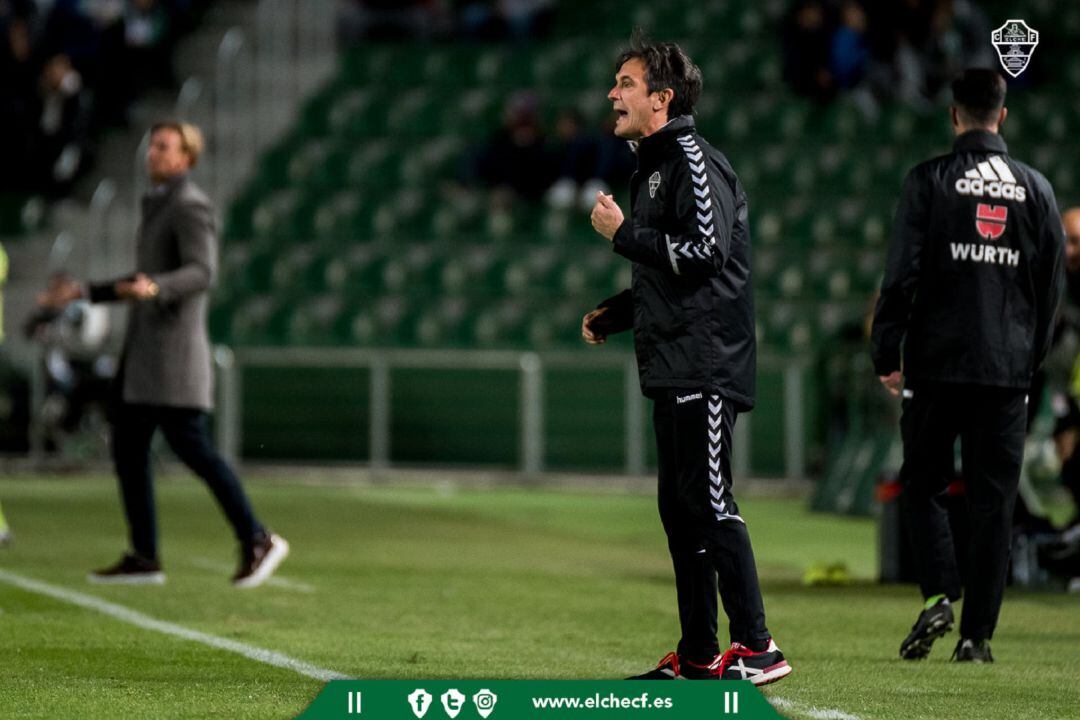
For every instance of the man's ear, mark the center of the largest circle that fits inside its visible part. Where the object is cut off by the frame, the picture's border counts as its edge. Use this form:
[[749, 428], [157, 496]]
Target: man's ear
[[663, 98], [1002, 115], [954, 116]]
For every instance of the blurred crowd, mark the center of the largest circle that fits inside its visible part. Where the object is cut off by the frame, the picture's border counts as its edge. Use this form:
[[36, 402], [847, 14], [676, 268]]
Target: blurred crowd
[[69, 68], [906, 50], [562, 165], [485, 20]]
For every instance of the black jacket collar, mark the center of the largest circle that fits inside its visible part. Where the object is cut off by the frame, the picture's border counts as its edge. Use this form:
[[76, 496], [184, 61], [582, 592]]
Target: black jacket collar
[[653, 146], [975, 140]]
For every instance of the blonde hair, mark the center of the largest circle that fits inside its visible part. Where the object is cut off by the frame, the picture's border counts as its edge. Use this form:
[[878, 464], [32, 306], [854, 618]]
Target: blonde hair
[[191, 137]]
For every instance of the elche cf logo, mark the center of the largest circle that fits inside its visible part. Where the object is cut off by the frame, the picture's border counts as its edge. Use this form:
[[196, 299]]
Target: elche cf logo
[[1015, 42], [990, 220]]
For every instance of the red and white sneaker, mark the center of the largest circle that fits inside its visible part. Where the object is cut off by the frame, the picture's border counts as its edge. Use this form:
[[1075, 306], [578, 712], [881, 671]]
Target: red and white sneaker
[[673, 667], [760, 668], [666, 669]]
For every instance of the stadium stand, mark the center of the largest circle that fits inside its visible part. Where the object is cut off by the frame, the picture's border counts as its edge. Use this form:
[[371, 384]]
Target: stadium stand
[[356, 229], [356, 232]]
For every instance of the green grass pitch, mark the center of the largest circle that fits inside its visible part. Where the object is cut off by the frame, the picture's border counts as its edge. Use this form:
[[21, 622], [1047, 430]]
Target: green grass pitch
[[437, 582]]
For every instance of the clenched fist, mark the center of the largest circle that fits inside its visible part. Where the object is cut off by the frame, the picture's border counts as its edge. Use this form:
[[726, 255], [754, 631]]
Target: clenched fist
[[606, 215]]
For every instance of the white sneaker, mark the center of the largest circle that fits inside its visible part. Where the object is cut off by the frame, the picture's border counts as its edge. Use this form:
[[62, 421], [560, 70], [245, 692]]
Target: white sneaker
[[261, 561]]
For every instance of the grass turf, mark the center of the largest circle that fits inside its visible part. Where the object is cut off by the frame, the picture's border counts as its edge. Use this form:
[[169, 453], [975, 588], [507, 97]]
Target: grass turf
[[437, 582]]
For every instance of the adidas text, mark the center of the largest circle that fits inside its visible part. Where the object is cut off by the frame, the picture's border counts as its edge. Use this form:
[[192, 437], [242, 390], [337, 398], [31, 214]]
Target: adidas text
[[991, 177], [994, 189]]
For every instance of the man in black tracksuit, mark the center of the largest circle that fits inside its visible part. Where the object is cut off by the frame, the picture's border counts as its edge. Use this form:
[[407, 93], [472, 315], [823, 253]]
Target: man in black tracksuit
[[691, 309], [972, 283]]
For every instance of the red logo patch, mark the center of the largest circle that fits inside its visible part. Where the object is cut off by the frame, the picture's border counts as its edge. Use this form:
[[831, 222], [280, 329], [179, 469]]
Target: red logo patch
[[990, 220]]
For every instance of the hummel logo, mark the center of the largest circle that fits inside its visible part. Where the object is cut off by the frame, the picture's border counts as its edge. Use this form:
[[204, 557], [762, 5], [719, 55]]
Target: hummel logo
[[991, 177], [688, 398]]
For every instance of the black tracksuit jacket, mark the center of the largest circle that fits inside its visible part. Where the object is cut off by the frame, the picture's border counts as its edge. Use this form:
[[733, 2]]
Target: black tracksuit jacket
[[974, 272], [691, 300]]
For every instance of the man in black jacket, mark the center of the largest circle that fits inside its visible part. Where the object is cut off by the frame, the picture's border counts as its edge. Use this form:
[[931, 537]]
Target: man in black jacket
[[691, 308], [972, 282]]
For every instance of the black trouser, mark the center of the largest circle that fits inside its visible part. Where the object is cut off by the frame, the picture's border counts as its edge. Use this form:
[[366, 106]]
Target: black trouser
[[708, 541], [991, 424], [186, 431]]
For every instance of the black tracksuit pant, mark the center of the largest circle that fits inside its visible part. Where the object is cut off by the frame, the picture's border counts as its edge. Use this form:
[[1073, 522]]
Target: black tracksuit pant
[[708, 540], [187, 432], [991, 424]]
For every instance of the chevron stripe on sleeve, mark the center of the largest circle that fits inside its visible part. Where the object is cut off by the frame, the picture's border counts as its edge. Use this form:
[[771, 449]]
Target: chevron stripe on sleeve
[[693, 248]]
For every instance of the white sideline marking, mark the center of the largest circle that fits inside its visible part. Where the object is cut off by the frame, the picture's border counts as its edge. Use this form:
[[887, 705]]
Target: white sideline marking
[[811, 711], [275, 580], [138, 619]]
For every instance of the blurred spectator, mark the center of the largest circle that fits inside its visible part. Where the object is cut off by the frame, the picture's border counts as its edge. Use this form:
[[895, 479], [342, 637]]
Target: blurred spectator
[[957, 38], [515, 160], [76, 369], [850, 47], [486, 20], [882, 51], [586, 162], [69, 68], [360, 20], [146, 41], [807, 34], [565, 168], [504, 19], [63, 125], [16, 90], [1064, 401]]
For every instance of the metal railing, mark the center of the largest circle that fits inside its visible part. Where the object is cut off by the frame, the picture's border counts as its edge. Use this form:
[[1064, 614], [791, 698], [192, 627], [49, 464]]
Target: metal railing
[[531, 420]]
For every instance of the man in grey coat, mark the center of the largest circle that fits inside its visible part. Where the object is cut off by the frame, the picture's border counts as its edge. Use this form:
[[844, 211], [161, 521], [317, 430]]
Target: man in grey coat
[[165, 379]]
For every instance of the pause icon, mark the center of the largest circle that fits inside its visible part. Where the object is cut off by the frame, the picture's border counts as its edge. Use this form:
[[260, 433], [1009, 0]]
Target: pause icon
[[731, 703], [354, 703]]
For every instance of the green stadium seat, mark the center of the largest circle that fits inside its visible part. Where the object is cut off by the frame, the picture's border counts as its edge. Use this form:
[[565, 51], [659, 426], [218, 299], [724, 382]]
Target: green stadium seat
[[767, 228], [371, 162], [445, 324], [258, 320], [868, 268], [357, 271], [345, 118], [312, 322], [502, 323]]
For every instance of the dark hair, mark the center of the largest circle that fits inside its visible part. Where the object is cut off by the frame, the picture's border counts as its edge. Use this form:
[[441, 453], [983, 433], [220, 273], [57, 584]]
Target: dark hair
[[666, 66], [979, 95]]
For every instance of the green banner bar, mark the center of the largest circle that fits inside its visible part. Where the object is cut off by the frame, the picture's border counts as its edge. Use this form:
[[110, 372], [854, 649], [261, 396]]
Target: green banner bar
[[536, 700]]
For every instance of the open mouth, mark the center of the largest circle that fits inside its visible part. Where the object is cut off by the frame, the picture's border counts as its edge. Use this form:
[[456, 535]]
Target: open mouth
[[621, 113]]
